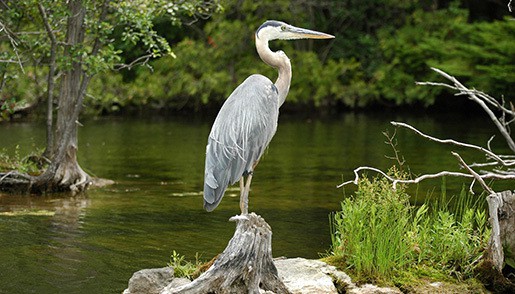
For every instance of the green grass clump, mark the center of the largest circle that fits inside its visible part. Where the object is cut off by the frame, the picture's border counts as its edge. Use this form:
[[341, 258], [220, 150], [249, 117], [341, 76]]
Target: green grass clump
[[370, 231], [450, 238], [28, 164], [379, 236], [183, 268]]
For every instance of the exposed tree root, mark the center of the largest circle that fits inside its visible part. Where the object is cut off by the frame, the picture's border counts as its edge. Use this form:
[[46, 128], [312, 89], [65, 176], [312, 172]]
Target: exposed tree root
[[18, 183]]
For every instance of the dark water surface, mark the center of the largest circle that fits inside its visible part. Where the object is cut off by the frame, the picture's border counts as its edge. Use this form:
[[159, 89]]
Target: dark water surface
[[93, 243]]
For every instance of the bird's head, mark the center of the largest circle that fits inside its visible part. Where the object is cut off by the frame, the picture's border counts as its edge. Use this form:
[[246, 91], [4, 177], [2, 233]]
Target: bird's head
[[278, 30]]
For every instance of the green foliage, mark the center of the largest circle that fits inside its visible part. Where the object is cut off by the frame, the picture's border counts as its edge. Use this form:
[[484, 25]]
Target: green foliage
[[208, 68], [379, 235], [28, 164], [450, 238], [183, 268], [370, 231], [115, 33], [381, 49], [7, 107], [478, 54]]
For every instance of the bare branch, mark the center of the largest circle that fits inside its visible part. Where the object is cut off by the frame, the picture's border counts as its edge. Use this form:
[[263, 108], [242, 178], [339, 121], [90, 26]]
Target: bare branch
[[475, 176], [436, 85], [14, 44], [390, 140], [14, 174], [142, 60], [396, 181], [6, 175], [464, 91], [9, 61], [454, 142], [479, 98], [493, 163], [473, 173]]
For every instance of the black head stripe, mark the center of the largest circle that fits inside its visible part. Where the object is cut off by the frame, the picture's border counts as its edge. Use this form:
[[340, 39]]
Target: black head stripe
[[269, 23]]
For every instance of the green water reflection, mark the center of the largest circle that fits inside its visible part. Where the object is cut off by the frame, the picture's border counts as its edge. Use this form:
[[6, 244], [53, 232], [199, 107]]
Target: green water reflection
[[93, 243]]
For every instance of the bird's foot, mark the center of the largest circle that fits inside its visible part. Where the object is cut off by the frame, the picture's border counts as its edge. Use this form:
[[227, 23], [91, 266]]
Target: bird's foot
[[239, 217]]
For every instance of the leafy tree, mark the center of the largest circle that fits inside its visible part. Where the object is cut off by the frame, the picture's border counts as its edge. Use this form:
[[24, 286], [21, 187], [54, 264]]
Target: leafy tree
[[75, 40], [481, 54]]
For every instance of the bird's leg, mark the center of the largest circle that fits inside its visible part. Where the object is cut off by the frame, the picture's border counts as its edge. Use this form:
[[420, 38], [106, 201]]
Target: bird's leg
[[245, 196], [242, 197]]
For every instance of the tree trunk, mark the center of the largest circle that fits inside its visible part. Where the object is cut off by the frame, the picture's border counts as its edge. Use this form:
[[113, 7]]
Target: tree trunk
[[245, 266], [50, 84], [64, 172]]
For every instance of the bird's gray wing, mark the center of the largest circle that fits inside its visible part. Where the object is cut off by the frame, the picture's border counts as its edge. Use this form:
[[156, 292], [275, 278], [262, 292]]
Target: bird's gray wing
[[240, 134]]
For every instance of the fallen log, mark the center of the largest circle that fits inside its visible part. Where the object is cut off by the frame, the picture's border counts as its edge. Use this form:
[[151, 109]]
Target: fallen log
[[245, 266]]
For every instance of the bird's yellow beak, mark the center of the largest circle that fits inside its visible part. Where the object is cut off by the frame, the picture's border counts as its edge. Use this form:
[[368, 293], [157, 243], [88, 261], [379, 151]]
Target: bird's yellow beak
[[300, 33]]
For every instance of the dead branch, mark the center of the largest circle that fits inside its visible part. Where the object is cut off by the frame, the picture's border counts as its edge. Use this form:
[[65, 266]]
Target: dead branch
[[488, 153], [483, 100], [142, 60], [395, 181], [390, 140], [476, 176], [506, 161], [480, 177]]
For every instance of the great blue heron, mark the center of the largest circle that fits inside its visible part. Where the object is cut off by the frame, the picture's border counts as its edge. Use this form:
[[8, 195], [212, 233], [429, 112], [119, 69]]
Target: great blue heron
[[247, 120]]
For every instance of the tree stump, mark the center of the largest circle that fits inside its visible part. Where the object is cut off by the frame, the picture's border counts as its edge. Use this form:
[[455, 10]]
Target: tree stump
[[245, 266], [502, 218]]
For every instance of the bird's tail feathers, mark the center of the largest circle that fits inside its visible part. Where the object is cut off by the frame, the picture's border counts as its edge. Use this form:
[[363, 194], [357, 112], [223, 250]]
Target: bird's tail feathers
[[214, 195]]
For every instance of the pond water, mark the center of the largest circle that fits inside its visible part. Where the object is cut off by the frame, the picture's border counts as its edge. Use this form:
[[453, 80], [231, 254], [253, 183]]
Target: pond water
[[92, 243]]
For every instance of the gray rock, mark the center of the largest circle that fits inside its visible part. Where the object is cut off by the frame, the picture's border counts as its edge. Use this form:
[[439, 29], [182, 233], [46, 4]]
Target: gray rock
[[311, 276], [150, 281], [372, 289], [305, 276]]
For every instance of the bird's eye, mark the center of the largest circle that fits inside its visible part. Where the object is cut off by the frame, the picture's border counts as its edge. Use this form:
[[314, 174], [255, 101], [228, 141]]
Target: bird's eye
[[283, 28]]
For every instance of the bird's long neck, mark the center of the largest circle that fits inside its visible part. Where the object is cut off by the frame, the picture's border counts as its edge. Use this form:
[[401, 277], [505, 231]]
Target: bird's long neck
[[277, 60]]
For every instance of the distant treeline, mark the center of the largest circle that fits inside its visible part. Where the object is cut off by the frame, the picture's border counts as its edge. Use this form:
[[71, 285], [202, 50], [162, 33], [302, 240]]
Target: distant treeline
[[381, 49]]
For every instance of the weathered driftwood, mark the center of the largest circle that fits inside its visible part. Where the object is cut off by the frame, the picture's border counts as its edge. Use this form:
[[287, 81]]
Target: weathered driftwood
[[502, 219], [245, 266]]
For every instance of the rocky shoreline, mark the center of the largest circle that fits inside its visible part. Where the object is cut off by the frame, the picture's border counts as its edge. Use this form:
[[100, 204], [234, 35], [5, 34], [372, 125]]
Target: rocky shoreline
[[301, 276]]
